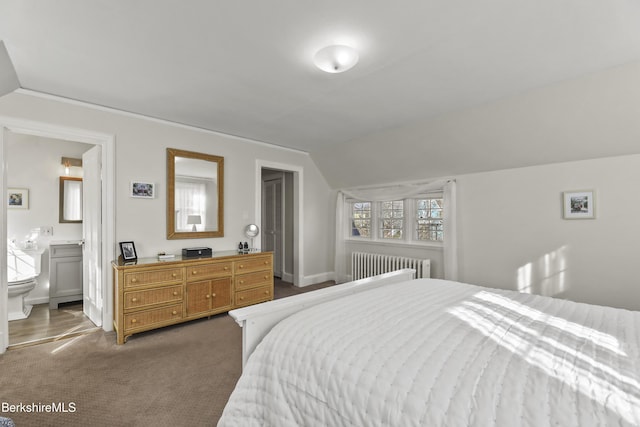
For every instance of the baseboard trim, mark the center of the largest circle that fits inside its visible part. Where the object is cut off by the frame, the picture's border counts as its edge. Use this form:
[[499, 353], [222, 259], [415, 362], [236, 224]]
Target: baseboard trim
[[317, 278]]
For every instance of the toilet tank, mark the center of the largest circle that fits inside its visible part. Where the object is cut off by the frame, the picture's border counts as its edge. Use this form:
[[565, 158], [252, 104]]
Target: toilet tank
[[23, 264]]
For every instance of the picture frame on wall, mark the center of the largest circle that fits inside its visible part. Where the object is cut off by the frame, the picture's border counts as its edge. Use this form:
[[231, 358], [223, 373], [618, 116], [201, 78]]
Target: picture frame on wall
[[142, 190], [128, 251], [579, 204], [17, 198]]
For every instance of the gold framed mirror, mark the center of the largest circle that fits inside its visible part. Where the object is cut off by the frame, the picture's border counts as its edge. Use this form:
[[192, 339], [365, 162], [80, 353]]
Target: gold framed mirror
[[70, 205], [195, 195]]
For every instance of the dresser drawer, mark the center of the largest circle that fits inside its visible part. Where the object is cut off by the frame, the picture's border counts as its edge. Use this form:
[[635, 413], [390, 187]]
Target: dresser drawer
[[253, 280], [253, 264], [255, 295], [148, 297], [204, 271], [158, 316], [152, 277]]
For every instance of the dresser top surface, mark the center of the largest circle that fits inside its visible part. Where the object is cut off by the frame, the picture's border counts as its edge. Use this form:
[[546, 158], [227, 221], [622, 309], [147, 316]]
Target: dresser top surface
[[219, 255]]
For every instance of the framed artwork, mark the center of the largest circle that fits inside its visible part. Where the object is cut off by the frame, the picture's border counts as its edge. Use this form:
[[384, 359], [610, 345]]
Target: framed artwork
[[579, 204], [128, 251], [142, 190], [17, 198]]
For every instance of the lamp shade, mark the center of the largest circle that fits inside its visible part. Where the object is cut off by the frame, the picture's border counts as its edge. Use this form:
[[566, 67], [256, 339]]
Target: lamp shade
[[194, 219], [336, 58]]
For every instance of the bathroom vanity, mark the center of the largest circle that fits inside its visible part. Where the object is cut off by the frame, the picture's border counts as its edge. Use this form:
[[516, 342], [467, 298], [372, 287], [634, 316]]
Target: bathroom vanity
[[65, 269]]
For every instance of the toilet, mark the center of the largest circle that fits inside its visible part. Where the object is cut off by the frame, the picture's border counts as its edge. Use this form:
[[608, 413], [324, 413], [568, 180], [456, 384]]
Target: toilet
[[23, 268]]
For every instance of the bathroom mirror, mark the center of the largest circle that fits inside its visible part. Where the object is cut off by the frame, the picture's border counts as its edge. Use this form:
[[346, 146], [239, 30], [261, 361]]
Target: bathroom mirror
[[70, 199], [195, 195]]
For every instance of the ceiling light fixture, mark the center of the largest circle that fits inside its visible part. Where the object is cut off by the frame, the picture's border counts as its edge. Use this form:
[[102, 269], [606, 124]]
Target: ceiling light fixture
[[336, 58]]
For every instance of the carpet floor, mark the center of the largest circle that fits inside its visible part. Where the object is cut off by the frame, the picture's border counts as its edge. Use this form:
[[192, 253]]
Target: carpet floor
[[180, 375]]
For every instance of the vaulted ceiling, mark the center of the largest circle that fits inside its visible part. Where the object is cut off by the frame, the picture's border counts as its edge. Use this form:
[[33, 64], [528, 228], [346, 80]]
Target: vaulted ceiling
[[245, 67]]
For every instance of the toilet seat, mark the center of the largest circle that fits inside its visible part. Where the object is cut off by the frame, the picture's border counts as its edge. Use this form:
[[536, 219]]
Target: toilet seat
[[22, 281]]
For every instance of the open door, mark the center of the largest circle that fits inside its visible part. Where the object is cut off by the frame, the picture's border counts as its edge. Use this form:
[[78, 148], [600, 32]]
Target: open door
[[92, 235]]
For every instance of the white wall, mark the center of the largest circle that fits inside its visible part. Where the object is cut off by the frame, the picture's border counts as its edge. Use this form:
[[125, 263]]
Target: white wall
[[35, 163], [141, 155], [512, 234]]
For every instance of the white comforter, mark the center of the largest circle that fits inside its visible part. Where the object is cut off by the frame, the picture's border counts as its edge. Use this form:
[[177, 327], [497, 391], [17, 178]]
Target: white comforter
[[437, 353]]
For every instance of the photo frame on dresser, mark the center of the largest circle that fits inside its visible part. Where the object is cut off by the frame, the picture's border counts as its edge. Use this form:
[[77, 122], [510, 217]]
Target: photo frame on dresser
[[128, 251]]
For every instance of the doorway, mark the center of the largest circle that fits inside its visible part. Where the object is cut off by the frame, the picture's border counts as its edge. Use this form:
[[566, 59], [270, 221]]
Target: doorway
[[279, 191], [277, 220], [106, 212], [51, 223]]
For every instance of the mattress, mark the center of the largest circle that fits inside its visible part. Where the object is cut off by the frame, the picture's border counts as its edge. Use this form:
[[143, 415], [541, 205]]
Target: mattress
[[438, 353]]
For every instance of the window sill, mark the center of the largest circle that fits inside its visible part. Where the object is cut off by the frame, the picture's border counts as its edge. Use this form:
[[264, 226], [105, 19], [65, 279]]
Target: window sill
[[403, 244]]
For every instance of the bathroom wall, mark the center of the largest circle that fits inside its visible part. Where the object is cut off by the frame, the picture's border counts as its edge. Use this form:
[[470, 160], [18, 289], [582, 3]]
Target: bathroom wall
[[34, 163]]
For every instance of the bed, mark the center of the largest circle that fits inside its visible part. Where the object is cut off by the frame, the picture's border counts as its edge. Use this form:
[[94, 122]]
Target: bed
[[393, 351]]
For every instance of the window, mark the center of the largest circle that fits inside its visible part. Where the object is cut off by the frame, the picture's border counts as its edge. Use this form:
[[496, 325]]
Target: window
[[410, 221], [361, 219], [429, 219], [392, 223]]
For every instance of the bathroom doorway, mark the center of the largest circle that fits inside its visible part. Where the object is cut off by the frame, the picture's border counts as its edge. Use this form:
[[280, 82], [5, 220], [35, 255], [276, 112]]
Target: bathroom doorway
[[100, 287], [44, 223]]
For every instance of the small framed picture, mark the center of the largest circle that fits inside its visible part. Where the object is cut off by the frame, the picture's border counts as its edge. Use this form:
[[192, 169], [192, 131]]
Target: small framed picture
[[17, 198], [579, 204], [143, 190], [128, 251]]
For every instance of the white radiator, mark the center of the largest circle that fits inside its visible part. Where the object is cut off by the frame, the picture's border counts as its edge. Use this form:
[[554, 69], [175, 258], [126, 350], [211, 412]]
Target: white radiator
[[366, 265]]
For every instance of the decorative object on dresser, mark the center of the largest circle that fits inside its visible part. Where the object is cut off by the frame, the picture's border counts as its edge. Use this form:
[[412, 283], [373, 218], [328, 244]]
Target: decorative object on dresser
[[197, 252], [65, 272], [128, 251], [151, 294]]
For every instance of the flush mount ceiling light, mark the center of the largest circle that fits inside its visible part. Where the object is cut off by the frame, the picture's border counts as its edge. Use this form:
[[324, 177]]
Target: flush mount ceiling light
[[336, 58]]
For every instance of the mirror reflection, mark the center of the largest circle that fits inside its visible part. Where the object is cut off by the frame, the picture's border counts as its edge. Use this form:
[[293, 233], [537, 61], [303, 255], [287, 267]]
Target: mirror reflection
[[70, 199], [194, 200]]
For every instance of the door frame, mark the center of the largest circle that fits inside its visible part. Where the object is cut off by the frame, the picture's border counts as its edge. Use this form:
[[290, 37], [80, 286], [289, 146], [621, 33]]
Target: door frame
[[48, 130], [298, 211]]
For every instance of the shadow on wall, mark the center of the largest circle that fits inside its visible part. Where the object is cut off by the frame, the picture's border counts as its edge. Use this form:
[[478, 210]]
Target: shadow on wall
[[545, 276]]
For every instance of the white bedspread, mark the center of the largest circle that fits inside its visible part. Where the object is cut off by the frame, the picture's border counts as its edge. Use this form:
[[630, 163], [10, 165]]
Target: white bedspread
[[437, 353]]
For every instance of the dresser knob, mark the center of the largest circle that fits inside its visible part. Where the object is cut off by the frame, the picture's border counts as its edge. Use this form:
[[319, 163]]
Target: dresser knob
[[208, 296], [226, 267], [213, 295], [241, 266], [174, 312], [134, 280], [242, 282], [266, 263], [175, 293], [174, 275], [266, 277], [134, 299], [194, 272], [134, 320], [241, 298], [266, 292]]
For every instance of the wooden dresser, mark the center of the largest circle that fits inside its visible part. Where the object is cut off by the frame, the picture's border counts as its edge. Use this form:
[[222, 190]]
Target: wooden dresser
[[150, 294]]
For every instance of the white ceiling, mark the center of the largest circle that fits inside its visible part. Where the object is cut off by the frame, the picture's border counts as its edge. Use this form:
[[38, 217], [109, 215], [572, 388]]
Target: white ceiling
[[245, 67]]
